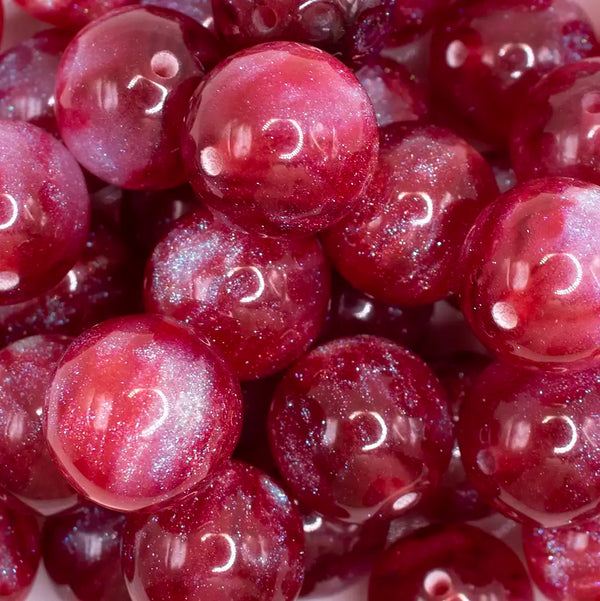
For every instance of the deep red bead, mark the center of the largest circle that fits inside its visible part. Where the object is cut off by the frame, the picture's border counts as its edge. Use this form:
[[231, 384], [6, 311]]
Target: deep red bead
[[261, 301], [285, 148], [485, 56], [82, 553], [122, 92], [26, 468], [199, 10], [555, 132], [44, 211], [359, 428], [412, 18], [140, 411], [530, 268], [449, 562], [530, 443], [564, 562], [238, 538], [403, 242]]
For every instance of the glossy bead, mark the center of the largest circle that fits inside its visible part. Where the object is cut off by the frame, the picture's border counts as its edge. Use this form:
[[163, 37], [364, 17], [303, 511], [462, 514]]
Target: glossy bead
[[530, 286], [530, 443], [485, 56], [455, 561], [288, 147], [28, 77], [402, 244], [359, 427], [199, 10], [82, 553], [564, 562], [238, 538], [26, 468], [555, 132], [160, 405], [394, 93], [44, 211], [122, 92], [412, 18]]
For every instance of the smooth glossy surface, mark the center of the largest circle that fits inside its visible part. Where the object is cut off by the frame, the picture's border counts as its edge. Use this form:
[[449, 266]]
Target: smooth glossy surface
[[530, 287], [239, 538], [359, 427], [260, 301], [199, 10], [449, 562], [140, 411], [556, 131], [485, 56], [44, 211], [82, 553], [530, 443], [402, 244], [281, 138], [122, 93], [26, 467]]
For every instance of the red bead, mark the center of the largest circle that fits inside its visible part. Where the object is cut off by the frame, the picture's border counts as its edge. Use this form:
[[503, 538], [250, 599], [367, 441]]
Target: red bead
[[140, 411], [449, 562], [199, 10], [288, 147], [238, 538], [555, 132], [529, 443], [402, 244], [26, 468], [564, 562], [122, 92], [82, 553], [486, 56], [44, 211], [531, 267], [359, 427], [412, 18]]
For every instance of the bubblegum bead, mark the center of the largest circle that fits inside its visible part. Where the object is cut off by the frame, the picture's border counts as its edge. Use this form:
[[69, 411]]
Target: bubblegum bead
[[122, 91], [281, 138], [530, 275], [162, 406]]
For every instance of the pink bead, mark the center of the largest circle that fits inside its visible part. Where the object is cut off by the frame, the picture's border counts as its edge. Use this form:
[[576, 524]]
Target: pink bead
[[530, 287], [288, 147], [44, 211], [261, 301], [26, 468], [555, 132], [529, 443], [122, 92], [402, 244], [239, 537], [359, 428], [446, 563], [140, 411], [199, 10], [485, 56]]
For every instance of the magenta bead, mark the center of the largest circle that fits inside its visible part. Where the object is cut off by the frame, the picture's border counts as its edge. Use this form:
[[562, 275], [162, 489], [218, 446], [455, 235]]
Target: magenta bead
[[82, 553], [555, 132], [486, 56], [530, 275], [140, 411], [122, 92], [288, 147], [529, 443], [449, 562], [238, 538], [359, 428], [402, 244]]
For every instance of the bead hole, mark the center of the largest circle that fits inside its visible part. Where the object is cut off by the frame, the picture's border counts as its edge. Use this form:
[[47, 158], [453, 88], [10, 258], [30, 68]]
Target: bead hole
[[264, 18], [591, 102], [437, 584], [164, 64]]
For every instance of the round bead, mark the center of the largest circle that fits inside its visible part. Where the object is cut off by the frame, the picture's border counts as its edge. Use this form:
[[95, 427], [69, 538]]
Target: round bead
[[530, 287], [281, 138], [359, 428], [122, 91], [239, 537], [140, 411], [402, 244]]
